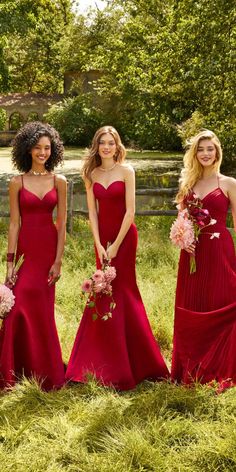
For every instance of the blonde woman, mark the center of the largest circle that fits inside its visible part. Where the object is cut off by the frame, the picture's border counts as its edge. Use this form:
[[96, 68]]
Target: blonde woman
[[122, 350], [205, 311]]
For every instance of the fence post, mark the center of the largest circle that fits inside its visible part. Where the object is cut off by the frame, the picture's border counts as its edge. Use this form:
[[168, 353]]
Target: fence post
[[70, 206]]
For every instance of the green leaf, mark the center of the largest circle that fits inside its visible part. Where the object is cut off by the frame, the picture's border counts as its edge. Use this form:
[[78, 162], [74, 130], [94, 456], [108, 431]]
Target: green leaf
[[94, 316], [91, 304]]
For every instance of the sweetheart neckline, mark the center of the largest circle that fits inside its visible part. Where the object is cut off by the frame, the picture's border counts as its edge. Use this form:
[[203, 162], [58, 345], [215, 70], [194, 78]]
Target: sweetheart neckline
[[106, 188], [32, 193]]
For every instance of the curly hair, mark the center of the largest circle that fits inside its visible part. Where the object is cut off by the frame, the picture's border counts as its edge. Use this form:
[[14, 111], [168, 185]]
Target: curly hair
[[93, 159], [27, 137]]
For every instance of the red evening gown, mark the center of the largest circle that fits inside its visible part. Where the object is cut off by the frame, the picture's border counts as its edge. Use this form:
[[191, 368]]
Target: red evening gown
[[205, 312], [121, 351], [29, 342]]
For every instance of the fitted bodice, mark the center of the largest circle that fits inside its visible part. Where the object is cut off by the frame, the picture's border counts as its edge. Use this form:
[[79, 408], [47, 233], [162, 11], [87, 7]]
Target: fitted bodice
[[37, 211], [217, 203], [111, 207]]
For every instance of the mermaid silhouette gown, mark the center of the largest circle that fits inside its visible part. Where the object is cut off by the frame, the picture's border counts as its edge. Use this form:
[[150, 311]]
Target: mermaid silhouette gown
[[205, 312], [121, 351], [29, 342]]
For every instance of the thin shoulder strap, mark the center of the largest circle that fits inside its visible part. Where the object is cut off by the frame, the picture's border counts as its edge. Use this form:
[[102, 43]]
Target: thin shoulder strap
[[218, 181], [22, 181], [54, 180]]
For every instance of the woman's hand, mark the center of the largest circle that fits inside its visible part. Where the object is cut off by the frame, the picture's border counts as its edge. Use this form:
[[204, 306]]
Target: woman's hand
[[191, 249], [112, 251], [54, 273], [11, 276], [102, 254]]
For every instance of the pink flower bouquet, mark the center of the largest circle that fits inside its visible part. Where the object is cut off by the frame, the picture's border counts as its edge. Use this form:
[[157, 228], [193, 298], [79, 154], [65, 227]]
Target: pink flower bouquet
[[98, 285], [7, 299], [188, 225]]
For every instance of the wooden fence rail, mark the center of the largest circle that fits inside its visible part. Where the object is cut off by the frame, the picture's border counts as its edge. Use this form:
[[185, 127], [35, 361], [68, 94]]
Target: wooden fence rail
[[145, 191], [72, 212]]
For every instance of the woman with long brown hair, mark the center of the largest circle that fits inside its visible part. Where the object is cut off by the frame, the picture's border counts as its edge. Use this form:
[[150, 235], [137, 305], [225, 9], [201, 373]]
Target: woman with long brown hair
[[122, 350]]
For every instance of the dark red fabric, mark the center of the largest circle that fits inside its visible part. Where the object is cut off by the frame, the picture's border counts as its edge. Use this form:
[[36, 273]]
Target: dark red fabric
[[29, 342], [205, 311], [121, 351]]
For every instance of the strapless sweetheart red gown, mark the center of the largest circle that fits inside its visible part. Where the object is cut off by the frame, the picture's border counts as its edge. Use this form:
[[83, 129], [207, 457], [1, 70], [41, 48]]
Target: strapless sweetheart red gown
[[121, 351], [29, 342], [205, 311]]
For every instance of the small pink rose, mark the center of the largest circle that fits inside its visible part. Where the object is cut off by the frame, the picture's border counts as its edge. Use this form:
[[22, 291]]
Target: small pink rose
[[99, 287], [87, 286], [110, 274], [98, 276]]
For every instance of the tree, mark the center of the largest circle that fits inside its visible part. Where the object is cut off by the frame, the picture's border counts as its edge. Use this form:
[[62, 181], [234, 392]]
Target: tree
[[32, 52], [163, 61]]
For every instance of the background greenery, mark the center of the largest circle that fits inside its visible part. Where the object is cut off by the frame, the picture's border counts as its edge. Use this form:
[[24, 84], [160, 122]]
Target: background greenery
[[158, 427], [167, 68]]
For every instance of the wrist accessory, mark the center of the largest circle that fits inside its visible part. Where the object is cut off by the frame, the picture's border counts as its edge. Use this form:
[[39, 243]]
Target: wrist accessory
[[10, 256]]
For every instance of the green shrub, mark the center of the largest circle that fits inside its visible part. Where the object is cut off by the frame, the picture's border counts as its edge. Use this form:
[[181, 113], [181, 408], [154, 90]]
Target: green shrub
[[3, 119], [224, 128], [76, 119]]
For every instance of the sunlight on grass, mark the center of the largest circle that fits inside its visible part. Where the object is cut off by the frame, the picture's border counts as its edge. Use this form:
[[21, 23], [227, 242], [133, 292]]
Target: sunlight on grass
[[158, 427]]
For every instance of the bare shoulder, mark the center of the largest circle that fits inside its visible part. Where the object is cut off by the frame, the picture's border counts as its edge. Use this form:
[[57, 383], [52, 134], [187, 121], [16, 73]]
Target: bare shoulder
[[61, 182], [88, 183], [60, 178], [229, 183], [15, 182], [128, 170]]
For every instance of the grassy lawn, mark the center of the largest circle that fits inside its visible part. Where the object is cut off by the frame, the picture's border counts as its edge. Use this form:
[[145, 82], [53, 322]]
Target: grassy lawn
[[72, 153], [158, 427]]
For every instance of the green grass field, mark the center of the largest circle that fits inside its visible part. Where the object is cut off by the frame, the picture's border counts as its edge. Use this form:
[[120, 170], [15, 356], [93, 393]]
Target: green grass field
[[88, 428]]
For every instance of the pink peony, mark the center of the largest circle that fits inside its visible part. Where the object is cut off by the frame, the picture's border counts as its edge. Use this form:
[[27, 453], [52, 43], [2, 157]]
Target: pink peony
[[98, 276], [99, 286], [182, 231], [110, 274], [7, 300], [108, 288], [87, 285]]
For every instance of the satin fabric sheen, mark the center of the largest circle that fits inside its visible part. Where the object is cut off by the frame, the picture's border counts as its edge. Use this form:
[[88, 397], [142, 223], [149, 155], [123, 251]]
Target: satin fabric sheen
[[121, 351], [205, 311], [29, 342]]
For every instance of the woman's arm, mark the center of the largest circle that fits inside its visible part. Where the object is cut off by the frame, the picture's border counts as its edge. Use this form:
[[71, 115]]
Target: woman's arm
[[93, 218], [232, 197], [129, 178], [55, 270], [14, 225]]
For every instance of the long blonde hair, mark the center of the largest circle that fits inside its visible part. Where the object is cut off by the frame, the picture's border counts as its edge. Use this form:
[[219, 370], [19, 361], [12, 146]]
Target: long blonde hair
[[93, 159], [193, 170]]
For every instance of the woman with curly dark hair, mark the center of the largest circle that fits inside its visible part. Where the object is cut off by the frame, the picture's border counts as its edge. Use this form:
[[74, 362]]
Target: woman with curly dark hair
[[29, 343]]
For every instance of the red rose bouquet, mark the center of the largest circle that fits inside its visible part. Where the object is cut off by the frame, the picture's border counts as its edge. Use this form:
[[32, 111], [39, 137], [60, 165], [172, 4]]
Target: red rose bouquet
[[189, 223]]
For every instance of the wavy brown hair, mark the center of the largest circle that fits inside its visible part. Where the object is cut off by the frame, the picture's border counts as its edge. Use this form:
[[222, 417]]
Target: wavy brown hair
[[193, 170], [93, 159]]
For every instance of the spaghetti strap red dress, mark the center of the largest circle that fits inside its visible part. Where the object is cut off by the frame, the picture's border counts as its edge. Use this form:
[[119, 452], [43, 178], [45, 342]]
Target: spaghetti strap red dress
[[205, 308], [29, 343]]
